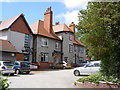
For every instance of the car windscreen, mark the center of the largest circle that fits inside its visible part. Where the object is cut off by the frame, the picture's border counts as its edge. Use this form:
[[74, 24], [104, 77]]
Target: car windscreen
[[25, 64], [8, 63]]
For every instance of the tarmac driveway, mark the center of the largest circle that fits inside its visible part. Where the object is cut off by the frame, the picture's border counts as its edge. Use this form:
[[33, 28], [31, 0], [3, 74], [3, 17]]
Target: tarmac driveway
[[44, 79]]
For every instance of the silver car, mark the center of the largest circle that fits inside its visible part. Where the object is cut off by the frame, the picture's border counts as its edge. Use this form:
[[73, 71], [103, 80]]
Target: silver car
[[7, 67], [87, 69]]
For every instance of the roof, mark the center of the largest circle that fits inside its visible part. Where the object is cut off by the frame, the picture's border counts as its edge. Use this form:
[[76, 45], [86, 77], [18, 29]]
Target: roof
[[7, 23], [38, 28], [78, 42], [7, 46], [61, 28]]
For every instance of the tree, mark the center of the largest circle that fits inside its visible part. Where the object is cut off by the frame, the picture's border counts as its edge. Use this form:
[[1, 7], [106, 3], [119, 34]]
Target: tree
[[99, 28]]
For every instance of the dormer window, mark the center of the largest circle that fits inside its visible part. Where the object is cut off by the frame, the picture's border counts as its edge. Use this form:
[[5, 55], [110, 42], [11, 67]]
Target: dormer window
[[70, 37]]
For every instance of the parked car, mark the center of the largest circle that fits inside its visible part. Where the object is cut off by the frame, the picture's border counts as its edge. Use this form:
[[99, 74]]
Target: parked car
[[87, 69], [61, 65], [33, 66], [81, 64], [7, 67], [22, 67]]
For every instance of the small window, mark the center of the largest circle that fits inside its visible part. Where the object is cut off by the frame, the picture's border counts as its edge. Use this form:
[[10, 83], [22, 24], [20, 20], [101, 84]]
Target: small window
[[75, 48], [81, 59], [70, 37], [26, 41], [56, 45], [81, 50], [70, 48], [44, 42]]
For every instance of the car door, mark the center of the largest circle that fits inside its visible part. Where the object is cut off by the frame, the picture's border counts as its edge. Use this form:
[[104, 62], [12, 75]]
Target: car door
[[96, 67], [86, 70]]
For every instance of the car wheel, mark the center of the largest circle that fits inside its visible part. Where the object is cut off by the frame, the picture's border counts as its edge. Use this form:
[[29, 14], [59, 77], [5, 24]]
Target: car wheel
[[17, 71], [63, 67], [27, 72], [12, 74], [76, 73], [53, 67]]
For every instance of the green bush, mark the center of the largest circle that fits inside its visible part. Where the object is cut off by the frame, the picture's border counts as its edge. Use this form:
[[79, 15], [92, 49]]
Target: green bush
[[95, 78], [3, 83]]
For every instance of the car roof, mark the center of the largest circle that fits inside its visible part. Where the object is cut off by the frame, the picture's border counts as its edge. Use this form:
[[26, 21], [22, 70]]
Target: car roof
[[95, 62]]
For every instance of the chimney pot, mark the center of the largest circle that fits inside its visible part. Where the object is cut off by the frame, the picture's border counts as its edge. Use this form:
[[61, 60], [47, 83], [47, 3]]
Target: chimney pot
[[57, 23]]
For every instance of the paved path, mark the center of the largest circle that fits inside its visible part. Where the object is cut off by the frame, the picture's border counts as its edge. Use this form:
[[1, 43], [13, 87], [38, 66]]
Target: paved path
[[44, 79]]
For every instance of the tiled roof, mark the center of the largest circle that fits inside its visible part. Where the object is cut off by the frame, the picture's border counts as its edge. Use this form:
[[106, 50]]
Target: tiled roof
[[7, 46], [38, 28], [61, 27], [7, 23], [78, 42]]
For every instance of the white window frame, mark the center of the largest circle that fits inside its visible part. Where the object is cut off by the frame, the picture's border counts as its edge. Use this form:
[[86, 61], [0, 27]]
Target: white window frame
[[70, 37], [57, 45], [81, 50], [70, 48], [45, 57], [43, 41]]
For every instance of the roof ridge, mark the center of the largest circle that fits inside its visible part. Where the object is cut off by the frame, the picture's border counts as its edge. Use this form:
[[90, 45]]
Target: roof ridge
[[4, 24]]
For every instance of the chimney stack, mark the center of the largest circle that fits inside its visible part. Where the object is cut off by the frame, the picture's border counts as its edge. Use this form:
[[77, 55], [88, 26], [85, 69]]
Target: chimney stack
[[48, 20], [72, 27]]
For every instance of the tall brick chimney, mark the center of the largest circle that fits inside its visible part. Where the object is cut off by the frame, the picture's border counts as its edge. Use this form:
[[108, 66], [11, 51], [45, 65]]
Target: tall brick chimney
[[48, 20], [72, 27]]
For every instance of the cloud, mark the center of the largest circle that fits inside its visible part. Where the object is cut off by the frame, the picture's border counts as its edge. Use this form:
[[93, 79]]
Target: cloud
[[6, 0], [72, 4], [68, 17]]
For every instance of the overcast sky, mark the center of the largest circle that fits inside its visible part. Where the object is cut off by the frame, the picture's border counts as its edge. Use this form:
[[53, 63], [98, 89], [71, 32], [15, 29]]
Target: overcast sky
[[64, 11]]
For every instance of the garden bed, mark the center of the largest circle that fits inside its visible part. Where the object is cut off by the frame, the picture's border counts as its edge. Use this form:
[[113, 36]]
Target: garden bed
[[96, 85]]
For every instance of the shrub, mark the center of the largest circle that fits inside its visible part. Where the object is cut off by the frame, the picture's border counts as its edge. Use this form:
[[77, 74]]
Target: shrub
[[95, 78], [3, 83]]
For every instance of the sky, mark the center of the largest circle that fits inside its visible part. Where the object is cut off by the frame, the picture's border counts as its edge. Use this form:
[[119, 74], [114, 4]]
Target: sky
[[64, 11]]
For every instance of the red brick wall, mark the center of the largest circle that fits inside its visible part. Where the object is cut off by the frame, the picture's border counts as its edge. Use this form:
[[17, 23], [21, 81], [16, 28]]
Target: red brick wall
[[20, 57]]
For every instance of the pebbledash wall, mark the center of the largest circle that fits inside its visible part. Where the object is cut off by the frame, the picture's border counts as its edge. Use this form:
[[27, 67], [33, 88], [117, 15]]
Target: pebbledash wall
[[76, 56], [49, 50]]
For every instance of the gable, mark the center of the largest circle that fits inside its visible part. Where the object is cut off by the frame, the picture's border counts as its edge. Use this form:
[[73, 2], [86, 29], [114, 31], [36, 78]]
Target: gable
[[20, 26]]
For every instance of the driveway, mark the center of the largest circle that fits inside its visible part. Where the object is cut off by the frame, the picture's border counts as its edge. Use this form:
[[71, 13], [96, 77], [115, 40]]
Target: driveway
[[44, 79]]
